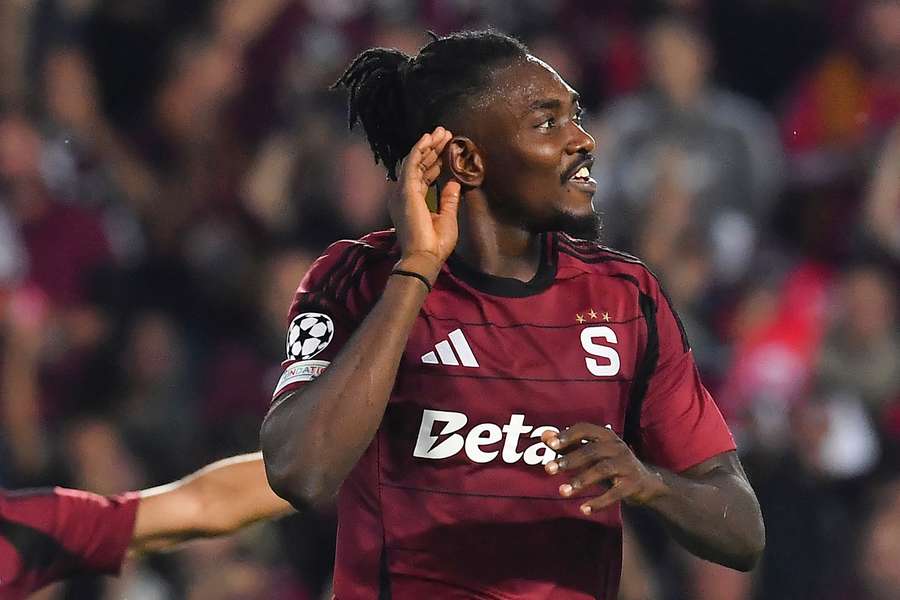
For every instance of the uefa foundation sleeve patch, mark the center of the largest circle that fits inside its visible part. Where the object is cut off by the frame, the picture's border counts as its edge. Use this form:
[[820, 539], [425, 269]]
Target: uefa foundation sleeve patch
[[299, 372], [308, 335], [331, 300]]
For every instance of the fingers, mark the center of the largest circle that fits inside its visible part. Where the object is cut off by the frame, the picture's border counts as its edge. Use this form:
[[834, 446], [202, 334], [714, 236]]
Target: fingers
[[596, 455], [421, 232], [617, 493], [440, 137], [431, 174], [601, 471], [576, 434], [431, 156], [450, 199], [581, 457], [423, 164], [430, 160], [445, 223], [429, 147]]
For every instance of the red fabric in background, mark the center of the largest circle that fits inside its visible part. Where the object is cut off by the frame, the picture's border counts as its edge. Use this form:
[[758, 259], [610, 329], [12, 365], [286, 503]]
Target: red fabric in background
[[64, 245]]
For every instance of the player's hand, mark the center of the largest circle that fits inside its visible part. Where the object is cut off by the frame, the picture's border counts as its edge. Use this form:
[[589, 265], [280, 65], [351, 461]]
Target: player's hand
[[426, 239], [591, 456]]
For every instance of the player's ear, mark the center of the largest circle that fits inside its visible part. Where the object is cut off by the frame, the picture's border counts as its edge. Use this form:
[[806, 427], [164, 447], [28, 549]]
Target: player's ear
[[465, 161]]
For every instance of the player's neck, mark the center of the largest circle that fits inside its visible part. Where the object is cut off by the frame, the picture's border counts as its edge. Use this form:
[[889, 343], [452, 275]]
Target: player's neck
[[496, 248]]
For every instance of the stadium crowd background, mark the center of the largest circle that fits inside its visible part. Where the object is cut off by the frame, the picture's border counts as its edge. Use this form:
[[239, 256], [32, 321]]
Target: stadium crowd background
[[168, 169]]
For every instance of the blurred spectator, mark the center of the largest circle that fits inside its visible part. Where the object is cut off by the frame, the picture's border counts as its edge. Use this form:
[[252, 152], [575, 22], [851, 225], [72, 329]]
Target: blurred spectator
[[688, 278], [98, 457], [840, 111], [153, 403], [14, 37], [686, 151], [881, 216], [878, 562], [774, 335], [362, 199], [860, 356], [65, 243], [809, 523], [13, 258], [239, 568], [282, 274], [66, 249], [89, 161], [25, 449]]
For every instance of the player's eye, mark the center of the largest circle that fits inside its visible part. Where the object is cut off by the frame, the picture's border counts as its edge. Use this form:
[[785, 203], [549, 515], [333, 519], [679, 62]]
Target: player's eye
[[547, 124], [578, 117]]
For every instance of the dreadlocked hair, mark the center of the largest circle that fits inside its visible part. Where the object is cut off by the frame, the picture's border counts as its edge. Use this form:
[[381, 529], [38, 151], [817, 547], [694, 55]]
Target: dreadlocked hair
[[398, 97]]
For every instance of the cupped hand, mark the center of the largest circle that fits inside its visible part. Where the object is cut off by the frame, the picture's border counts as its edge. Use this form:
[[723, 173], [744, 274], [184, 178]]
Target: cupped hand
[[426, 239]]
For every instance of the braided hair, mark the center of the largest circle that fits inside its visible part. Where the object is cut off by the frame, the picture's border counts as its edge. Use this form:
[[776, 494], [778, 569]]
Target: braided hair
[[398, 97]]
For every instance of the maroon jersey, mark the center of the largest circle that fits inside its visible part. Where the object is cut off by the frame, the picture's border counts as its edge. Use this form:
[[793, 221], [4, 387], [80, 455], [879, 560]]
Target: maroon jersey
[[48, 535], [451, 499]]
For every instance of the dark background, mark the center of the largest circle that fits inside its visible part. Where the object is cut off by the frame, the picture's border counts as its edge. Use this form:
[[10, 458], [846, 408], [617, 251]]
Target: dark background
[[168, 169]]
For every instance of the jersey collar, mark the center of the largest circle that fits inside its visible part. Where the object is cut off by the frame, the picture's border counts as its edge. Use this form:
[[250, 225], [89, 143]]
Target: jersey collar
[[508, 286]]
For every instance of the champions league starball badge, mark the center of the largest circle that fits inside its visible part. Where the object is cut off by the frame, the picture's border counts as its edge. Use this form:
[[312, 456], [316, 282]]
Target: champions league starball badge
[[309, 334]]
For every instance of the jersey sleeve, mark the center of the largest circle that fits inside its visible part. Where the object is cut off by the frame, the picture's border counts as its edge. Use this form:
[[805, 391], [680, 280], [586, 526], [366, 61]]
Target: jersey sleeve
[[680, 424], [321, 320], [51, 534]]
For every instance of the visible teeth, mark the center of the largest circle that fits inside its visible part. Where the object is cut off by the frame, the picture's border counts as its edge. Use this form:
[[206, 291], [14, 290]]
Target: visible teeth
[[582, 173]]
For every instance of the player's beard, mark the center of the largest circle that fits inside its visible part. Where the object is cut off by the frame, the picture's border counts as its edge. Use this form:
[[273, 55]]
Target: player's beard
[[580, 226], [583, 227]]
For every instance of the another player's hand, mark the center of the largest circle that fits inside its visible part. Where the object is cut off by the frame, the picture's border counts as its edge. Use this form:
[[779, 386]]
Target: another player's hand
[[426, 239], [590, 456]]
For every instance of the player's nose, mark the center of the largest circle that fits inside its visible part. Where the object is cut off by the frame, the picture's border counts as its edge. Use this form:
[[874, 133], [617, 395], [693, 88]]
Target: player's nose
[[580, 142]]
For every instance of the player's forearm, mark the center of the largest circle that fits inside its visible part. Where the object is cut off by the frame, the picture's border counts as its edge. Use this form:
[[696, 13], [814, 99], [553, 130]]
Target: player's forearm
[[216, 500], [716, 516], [312, 438]]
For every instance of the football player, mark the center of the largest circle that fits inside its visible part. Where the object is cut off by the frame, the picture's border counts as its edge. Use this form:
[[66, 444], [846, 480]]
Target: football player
[[484, 386]]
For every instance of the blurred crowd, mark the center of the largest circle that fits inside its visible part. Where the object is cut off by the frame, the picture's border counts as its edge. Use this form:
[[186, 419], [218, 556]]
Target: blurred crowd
[[169, 169]]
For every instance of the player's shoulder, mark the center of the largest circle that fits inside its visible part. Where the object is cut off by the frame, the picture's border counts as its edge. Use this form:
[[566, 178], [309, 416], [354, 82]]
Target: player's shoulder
[[598, 259], [346, 258], [378, 242]]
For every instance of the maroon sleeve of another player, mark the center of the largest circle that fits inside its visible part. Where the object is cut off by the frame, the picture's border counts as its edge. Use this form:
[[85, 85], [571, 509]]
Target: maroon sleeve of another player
[[320, 319], [48, 535], [681, 426], [97, 528]]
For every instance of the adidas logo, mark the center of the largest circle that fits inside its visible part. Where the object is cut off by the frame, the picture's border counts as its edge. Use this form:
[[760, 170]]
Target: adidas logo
[[444, 352]]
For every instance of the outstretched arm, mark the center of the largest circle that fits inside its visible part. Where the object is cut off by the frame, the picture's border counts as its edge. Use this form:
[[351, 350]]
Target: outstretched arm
[[49, 535], [216, 500]]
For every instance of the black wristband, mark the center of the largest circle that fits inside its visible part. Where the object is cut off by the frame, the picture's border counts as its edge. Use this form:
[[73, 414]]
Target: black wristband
[[418, 276]]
